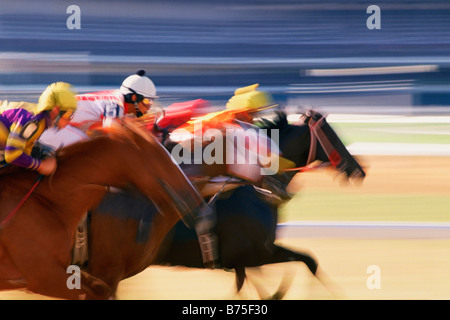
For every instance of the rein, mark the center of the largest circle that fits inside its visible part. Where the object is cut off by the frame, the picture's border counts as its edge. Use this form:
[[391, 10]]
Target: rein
[[309, 167], [318, 134], [17, 207], [213, 199]]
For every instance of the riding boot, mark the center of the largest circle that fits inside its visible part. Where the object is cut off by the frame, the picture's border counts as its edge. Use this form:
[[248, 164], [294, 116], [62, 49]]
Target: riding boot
[[204, 225], [278, 192]]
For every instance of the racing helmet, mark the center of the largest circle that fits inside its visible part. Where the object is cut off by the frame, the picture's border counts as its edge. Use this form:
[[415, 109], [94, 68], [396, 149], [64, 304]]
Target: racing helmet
[[140, 86], [59, 94], [248, 99]]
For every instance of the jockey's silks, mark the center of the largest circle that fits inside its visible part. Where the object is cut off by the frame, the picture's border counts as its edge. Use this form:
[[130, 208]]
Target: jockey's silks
[[20, 127], [208, 121], [94, 110], [94, 107]]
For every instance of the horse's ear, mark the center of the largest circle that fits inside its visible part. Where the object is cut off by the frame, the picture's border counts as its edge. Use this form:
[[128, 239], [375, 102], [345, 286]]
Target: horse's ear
[[314, 114], [282, 118], [279, 121], [309, 114], [265, 123]]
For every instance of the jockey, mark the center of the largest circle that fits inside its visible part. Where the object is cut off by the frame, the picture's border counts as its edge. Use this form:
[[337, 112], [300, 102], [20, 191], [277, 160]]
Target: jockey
[[247, 102], [22, 123], [242, 107], [135, 97]]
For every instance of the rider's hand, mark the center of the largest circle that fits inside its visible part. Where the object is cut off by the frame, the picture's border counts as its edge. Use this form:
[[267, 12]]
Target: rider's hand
[[48, 166]]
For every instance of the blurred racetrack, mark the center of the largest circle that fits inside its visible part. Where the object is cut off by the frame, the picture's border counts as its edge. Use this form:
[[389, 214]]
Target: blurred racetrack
[[207, 48], [307, 54]]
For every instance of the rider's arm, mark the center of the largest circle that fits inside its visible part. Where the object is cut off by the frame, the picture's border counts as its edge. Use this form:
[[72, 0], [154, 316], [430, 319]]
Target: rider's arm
[[22, 132]]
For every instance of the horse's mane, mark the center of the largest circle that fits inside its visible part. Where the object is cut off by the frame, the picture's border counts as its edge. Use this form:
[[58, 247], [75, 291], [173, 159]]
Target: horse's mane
[[280, 121]]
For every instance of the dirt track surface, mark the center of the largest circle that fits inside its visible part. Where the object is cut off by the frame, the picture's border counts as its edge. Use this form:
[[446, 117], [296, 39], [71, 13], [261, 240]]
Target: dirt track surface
[[404, 174], [408, 268]]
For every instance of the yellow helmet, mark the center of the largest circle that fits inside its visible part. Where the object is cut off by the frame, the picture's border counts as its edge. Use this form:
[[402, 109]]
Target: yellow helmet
[[58, 94], [248, 99]]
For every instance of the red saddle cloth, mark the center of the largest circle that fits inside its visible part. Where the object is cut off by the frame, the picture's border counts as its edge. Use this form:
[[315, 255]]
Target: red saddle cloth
[[179, 113]]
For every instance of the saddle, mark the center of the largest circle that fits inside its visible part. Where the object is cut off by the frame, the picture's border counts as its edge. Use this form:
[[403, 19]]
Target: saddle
[[272, 189]]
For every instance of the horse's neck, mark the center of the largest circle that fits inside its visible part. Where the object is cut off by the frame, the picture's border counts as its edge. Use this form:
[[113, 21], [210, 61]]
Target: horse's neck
[[99, 162], [83, 176]]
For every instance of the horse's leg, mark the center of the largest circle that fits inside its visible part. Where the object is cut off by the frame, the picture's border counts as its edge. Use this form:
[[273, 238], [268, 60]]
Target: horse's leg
[[55, 283], [10, 276], [46, 274], [240, 278], [281, 254], [24, 270], [96, 289], [262, 293], [12, 284], [101, 289], [333, 288], [52, 281]]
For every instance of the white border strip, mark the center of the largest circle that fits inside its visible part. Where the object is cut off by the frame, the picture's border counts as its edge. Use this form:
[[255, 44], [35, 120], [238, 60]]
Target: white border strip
[[371, 118], [371, 70], [364, 230], [398, 149], [366, 224]]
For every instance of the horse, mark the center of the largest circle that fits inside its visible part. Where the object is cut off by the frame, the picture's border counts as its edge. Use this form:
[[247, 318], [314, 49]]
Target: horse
[[37, 229], [127, 214], [246, 221]]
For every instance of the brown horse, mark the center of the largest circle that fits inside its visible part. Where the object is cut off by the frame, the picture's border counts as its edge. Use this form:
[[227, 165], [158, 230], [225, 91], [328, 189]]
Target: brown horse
[[129, 215], [36, 242], [246, 224]]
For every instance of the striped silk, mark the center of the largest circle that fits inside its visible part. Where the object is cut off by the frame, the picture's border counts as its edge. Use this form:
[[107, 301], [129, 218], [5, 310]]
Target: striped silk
[[19, 130]]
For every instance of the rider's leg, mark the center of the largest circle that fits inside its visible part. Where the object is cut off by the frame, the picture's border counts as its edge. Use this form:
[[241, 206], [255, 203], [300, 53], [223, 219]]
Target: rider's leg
[[205, 221]]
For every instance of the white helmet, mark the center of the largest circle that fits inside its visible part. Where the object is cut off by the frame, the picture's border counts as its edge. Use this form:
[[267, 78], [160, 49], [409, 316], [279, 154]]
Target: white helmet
[[140, 84]]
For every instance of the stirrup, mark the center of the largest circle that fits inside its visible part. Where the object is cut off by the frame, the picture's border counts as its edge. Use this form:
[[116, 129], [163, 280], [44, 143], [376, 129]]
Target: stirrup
[[208, 248], [80, 253], [205, 221]]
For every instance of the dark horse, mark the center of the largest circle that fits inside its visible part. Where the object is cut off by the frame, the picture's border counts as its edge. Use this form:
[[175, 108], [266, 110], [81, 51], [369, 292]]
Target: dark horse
[[246, 221], [36, 237]]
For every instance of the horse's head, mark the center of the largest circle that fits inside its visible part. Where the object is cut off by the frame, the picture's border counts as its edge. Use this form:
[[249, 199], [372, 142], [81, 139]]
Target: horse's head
[[311, 139], [323, 135]]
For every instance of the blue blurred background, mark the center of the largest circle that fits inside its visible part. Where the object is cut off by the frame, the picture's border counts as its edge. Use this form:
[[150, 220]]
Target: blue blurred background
[[307, 53]]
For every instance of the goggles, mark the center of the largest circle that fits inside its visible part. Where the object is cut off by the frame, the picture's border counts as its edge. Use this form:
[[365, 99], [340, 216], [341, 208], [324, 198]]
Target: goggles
[[147, 101]]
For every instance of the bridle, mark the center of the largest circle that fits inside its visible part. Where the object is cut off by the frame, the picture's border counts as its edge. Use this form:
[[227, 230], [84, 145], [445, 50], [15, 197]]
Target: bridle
[[339, 157], [315, 122]]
